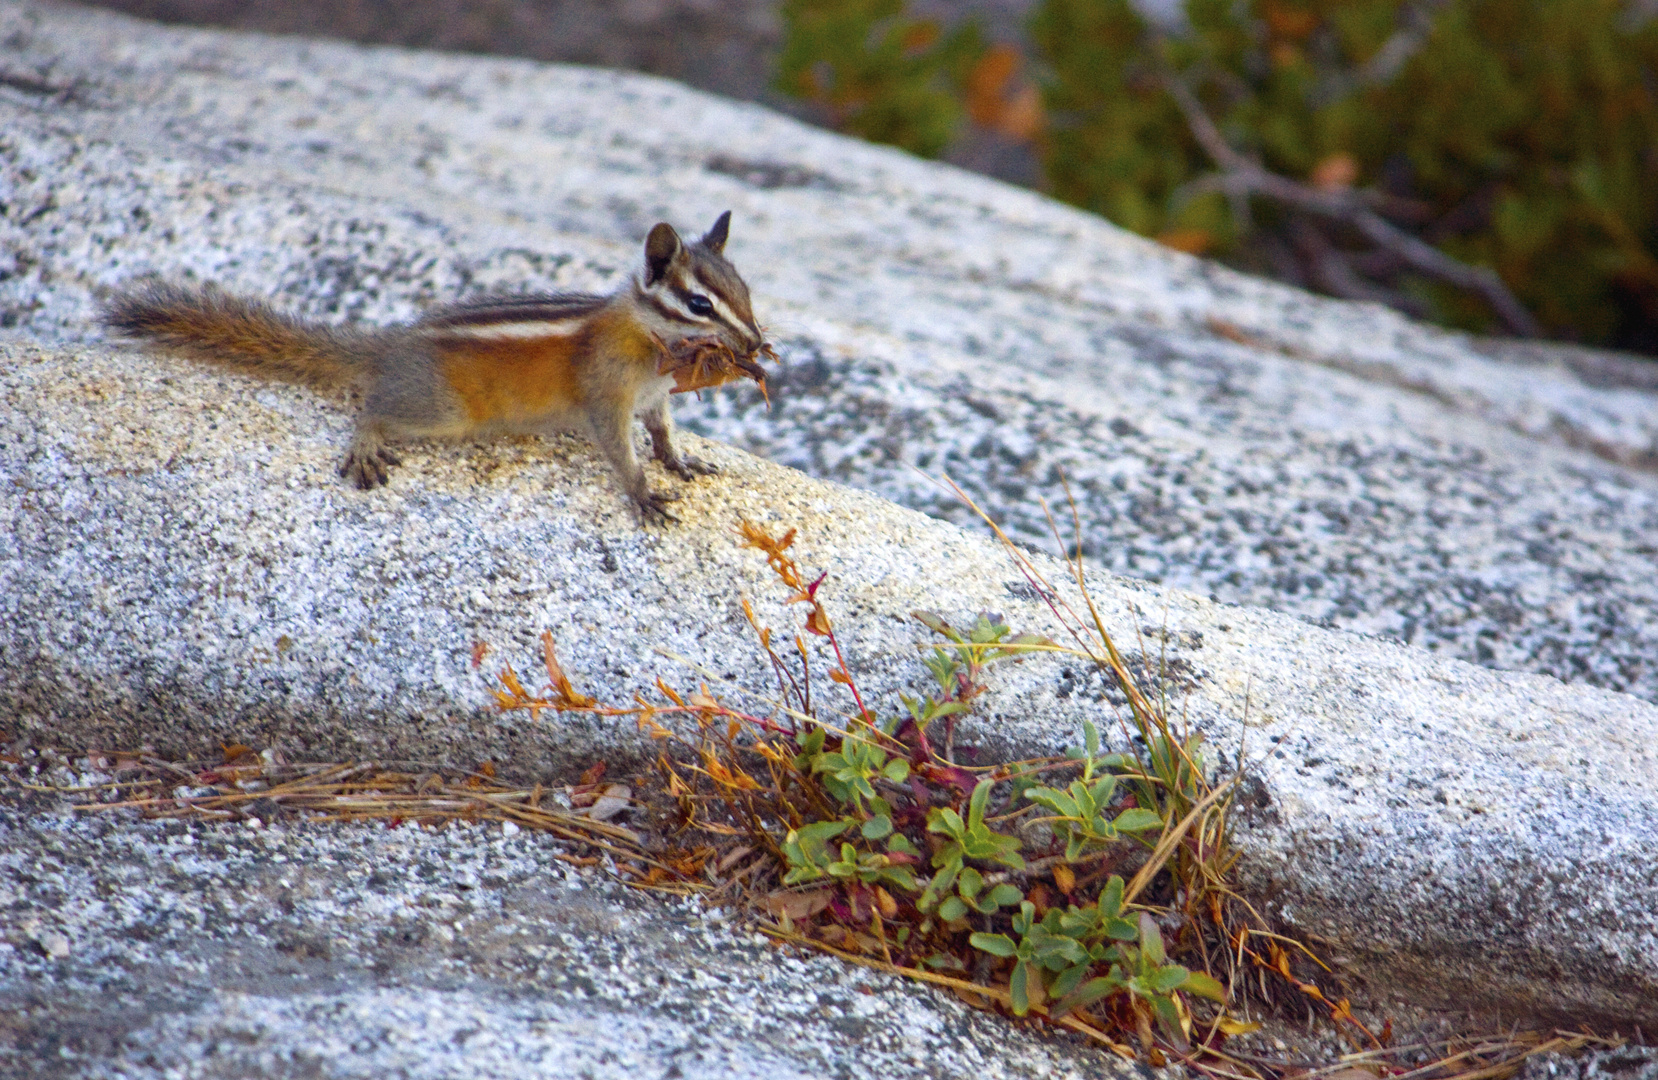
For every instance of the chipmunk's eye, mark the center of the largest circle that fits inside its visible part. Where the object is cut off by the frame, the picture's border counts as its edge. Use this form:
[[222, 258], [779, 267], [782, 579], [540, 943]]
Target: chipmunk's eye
[[700, 305]]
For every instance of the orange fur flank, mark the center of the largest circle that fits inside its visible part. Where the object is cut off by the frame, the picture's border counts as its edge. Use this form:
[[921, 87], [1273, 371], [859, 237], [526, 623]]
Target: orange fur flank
[[513, 381]]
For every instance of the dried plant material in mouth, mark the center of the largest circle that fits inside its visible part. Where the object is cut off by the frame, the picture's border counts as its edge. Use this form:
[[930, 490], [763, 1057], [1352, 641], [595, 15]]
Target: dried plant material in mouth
[[698, 363]]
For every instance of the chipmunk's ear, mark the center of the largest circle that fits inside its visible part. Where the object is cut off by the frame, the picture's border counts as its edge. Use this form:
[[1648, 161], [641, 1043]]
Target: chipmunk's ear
[[715, 240], [662, 246]]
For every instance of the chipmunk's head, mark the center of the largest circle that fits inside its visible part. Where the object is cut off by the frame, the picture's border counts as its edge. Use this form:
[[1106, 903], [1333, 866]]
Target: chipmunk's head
[[690, 290]]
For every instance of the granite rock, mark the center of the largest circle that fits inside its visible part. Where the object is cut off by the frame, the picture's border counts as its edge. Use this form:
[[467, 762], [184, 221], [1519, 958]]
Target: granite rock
[[304, 951], [180, 566], [1221, 434]]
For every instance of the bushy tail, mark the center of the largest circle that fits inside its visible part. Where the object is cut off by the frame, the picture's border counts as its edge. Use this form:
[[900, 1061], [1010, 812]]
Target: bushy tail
[[230, 332]]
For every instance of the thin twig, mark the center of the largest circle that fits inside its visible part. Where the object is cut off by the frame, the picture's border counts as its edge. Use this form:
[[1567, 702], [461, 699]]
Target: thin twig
[[1241, 174], [1001, 997]]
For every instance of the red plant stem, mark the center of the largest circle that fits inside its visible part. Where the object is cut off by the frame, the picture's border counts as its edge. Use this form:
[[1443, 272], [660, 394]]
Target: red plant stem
[[834, 642]]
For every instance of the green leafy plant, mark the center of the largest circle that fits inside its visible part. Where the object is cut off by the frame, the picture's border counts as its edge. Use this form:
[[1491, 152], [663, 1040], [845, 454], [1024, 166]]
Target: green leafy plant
[[1484, 163], [791, 813], [1082, 812], [1030, 890], [1510, 134], [876, 72], [850, 771], [1054, 955], [969, 838], [806, 850]]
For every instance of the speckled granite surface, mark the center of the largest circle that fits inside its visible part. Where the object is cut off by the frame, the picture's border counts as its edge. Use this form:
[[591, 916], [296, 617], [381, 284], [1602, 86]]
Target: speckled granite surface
[[178, 562], [327, 952], [1222, 434]]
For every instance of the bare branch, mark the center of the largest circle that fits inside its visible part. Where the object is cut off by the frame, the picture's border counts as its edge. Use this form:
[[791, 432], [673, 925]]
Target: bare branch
[[1335, 273], [1406, 42], [1244, 175]]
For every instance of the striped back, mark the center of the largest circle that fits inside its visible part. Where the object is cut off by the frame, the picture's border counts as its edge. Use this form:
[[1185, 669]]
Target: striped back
[[683, 291], [539, 316]]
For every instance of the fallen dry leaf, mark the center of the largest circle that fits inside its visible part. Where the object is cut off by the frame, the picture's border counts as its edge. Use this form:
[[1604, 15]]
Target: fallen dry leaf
[[613, 801], [797, 905]]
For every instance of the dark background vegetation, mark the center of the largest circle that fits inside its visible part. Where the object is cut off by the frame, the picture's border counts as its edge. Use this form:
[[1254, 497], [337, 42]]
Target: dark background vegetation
[[1488, 164]]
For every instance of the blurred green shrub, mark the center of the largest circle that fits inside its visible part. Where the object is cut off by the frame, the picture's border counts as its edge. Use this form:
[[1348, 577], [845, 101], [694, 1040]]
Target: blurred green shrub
[[1516, 134], [877, 73]]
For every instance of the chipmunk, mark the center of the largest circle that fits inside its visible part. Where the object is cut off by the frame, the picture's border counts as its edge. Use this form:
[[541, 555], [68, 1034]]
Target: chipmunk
[[563, 362]]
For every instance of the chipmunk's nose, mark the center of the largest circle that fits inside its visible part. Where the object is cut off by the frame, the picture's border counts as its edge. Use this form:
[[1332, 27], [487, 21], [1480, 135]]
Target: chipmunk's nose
[[752, 339]]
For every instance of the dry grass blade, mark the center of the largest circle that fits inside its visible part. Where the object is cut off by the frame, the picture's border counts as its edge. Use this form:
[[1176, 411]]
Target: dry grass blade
[[356, 791], [1170, 839], [961, 986]]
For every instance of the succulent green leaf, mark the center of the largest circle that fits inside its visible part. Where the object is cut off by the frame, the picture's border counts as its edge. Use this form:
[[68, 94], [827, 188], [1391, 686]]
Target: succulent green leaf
[[944, 962], [994, 944], [1137, 819], [932, 621], [947, 821], [1169, 1017], [818, 833], [1074, 845], [1019, 987], [877, 828], [1086, 994], [1151, 941], [1205, 985], [946, 875], [1120, 929], [977, 804], [1168, 978], [1111, 897], [1004, 895], [1067, 980], [1054, 799]]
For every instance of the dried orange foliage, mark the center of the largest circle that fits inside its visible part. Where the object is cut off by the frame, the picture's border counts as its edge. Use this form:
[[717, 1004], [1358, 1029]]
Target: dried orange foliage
[[563, 697], [698, 363], [775, 549], [999, 98]]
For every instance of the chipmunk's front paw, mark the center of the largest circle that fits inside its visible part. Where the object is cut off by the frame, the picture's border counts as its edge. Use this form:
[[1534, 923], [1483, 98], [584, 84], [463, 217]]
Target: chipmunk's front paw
[[687, 467], [652, 508], [368, 467]]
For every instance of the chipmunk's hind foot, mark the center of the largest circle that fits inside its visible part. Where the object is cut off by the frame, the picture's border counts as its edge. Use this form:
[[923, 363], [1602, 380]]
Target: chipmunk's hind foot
[[652, 508], [368, 463]]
